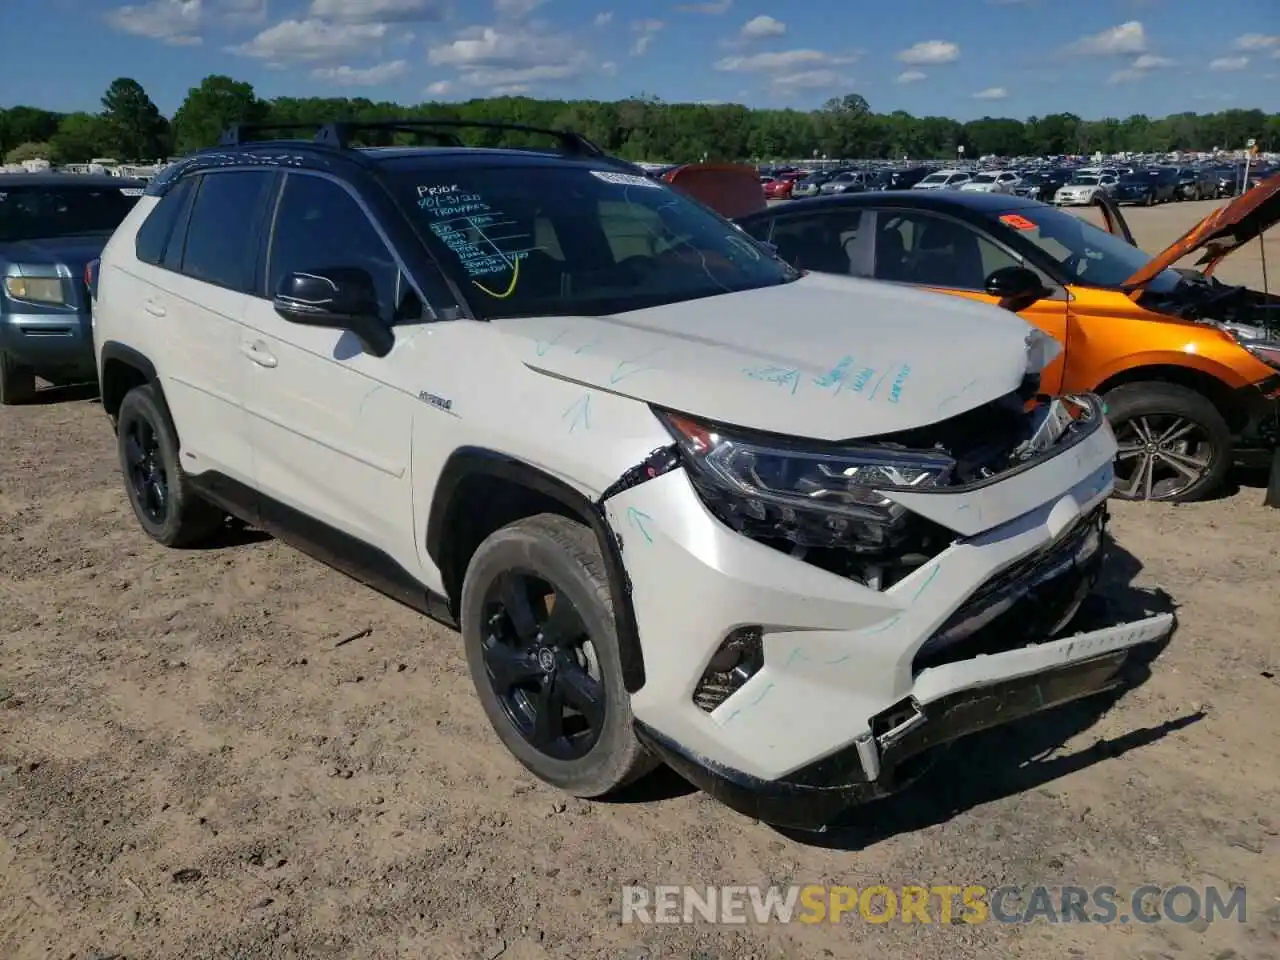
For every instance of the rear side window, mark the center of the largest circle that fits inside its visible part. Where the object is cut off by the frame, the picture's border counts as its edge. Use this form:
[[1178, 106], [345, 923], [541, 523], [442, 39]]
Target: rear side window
[[222, 236], [156, 230]]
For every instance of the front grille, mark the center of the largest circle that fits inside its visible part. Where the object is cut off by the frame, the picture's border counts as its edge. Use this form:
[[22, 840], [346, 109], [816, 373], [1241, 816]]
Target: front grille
[[1028, 602]]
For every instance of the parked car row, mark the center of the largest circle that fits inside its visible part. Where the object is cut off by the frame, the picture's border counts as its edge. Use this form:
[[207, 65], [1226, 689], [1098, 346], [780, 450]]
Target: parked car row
[[1061, 184]]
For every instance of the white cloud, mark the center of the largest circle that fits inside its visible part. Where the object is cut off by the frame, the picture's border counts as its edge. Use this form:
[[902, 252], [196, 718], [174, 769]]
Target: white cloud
[[812, 80], [776, 62], [762, 26], [174, 22], [376, 11], [1127, 38], [1223, 64], [1140, 68], [910, 76], [603, 19], [516, 8], [313, 40], [647, 30], [713, 8], [362, 77], [504, 58], [1258, 41], [930, 51], [439, 88], [992, 93]]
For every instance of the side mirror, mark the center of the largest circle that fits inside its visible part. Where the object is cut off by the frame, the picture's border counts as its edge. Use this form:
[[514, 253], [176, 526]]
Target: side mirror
[[1016, 287], [339, 298]]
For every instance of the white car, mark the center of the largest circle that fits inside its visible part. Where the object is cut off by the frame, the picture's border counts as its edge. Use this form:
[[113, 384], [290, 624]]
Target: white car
[[1082, 188], [684, 502], [992, 181], [943, 180]]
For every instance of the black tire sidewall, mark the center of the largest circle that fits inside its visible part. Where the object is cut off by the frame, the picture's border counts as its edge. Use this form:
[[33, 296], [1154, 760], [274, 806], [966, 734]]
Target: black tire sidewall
[[530, 545], [140, 404], [1133, 400]]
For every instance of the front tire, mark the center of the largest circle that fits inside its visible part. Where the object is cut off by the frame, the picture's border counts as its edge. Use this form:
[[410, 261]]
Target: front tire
[[1175, 446], [542, 648], [166, 506], [17, 382]]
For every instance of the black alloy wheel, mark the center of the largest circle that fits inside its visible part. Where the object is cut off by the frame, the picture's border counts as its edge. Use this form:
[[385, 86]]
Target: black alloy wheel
[[148, 480], [542, 666]]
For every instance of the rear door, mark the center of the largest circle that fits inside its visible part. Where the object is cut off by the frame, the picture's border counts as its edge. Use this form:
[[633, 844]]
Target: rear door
[[197, 270], [929, 249]]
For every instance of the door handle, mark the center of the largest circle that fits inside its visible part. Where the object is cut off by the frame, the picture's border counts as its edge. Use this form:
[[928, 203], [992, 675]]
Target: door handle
[[154, 307], [259, 354]]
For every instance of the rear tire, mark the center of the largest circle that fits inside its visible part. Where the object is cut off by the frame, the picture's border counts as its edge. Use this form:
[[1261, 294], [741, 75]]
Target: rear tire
[[163, 500], [551, 685], [17, 382], [1167, 432]]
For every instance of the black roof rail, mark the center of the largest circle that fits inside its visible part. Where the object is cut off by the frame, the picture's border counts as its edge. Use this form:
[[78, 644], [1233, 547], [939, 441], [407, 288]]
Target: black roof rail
[[340, 134], [241, 133]]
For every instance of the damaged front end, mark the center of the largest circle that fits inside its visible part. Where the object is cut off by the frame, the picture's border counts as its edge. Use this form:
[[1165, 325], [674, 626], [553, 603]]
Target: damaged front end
[[831, 505]]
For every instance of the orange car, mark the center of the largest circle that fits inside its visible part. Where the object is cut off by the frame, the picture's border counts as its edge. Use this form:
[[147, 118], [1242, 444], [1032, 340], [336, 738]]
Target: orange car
[[1189, 366]]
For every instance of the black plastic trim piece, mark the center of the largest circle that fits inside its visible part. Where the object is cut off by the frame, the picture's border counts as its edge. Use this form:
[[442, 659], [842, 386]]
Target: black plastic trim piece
[[467, 463], [115, 350], [357, 559]]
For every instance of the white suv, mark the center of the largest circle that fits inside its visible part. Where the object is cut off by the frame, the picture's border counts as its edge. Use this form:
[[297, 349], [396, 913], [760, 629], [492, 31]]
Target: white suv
[[785, 532]]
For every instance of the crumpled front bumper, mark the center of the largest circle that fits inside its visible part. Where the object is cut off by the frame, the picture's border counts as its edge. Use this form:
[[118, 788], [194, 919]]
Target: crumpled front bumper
[[948, 705]]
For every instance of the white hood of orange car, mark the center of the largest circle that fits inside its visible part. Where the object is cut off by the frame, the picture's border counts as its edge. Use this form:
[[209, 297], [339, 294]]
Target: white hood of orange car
[[824, 357]]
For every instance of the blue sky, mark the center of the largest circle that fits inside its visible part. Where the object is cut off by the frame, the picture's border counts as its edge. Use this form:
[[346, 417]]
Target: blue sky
[[959, 58]]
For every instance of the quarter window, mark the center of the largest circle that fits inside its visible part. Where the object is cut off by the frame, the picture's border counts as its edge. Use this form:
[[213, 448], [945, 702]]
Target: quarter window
[[220, 240], [825, 243], [319, 225], [155, 232]]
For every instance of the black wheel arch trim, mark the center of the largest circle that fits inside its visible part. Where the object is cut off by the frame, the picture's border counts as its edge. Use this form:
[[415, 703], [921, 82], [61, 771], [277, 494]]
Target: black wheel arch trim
[[470, 462], [115, 350]]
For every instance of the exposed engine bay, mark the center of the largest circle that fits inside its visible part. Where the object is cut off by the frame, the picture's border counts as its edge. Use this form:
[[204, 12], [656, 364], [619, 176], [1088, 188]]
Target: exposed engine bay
[[1250, 313]]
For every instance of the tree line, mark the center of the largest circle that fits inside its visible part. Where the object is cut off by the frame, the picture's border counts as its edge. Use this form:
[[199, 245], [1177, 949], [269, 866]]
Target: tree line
[[130, 128]]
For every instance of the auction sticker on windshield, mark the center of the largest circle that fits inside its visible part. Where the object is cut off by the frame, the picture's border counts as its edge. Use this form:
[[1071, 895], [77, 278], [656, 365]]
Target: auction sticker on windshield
[[625, 179]]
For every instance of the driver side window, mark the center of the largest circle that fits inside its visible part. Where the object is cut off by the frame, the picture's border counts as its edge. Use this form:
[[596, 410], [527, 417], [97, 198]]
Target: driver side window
[[922, 248], [318, 224]]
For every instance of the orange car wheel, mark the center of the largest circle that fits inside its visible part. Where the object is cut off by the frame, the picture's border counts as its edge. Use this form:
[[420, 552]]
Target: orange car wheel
[[1174, 444]]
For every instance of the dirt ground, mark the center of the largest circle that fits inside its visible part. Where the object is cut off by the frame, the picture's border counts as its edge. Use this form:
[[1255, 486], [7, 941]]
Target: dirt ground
[[192, 766]]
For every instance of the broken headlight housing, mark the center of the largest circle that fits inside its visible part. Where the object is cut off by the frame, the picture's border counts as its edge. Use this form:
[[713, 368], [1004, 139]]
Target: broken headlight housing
[[808, 496], [1259, 341]]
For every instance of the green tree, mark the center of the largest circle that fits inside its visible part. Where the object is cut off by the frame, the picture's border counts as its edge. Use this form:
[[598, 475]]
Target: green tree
[[135, 128], [213, 106], [80, 138], [29, 151], [22, 124]]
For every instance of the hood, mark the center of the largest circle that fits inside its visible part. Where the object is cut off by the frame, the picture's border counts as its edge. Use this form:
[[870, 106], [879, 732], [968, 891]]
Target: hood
[[823, 357], [1230, 226], [730, 189], [72, 252]]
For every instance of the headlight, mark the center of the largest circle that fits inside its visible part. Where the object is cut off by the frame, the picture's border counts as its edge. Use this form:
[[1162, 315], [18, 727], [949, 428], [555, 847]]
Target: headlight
[[1257, 341], [1268, 353], [35, 289], [811, 497]]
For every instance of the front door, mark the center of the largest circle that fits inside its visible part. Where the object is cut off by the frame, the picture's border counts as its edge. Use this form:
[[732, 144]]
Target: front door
[[331, 434], [929, 249]]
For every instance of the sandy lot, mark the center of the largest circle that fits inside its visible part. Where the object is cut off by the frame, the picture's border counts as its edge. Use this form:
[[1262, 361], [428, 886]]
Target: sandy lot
[[191, 766]]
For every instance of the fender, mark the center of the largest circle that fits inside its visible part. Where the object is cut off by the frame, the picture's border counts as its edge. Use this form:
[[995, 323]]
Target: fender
[[114, 350], [1191, 362], [467, 462]]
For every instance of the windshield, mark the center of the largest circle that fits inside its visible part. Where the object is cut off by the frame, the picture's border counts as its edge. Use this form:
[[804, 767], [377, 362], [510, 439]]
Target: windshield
[[62, 210], [1086, 254], [984, 178], [935, 178], [1084, 181], [569, 240]]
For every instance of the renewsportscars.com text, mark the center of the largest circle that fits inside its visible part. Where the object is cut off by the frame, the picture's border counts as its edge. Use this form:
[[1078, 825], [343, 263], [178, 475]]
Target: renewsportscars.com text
[[940, 903]]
